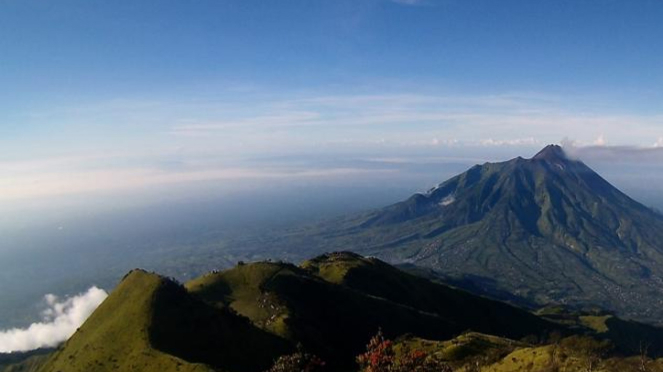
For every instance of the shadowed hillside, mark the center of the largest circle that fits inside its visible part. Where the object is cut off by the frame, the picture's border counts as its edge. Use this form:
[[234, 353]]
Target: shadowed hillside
[[334, 303], [150, 323]]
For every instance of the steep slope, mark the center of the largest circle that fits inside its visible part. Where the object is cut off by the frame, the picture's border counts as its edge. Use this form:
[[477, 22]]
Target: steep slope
[[334, 318], [547, 229], [376, 278], [543, 230], [150, 323]]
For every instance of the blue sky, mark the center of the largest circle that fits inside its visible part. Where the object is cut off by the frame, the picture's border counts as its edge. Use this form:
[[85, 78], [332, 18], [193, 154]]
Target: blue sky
[[105, 95]]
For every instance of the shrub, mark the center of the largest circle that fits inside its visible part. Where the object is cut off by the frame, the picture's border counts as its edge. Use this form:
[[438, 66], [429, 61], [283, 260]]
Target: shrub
[[298, 362], [380, 357]]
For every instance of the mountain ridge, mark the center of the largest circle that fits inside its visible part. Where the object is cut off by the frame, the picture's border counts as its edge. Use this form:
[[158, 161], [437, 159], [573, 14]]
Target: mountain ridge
[[150, 323], [243, 318], [524, 214], [544, 230]]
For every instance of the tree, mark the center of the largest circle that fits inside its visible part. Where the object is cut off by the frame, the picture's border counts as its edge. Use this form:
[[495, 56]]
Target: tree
[[644, 357]]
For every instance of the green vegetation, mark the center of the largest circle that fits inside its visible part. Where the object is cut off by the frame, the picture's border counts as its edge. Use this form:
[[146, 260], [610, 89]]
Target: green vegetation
[[535, 232], [150, 323], [380, 356], [475, 352], [627, 337], [241, 289], [116, 336], [376, 278], [333, 303], [597, 323], [319, 317]]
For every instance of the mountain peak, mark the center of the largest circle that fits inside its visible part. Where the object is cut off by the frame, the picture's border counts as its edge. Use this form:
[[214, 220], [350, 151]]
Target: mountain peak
[[551, 153]]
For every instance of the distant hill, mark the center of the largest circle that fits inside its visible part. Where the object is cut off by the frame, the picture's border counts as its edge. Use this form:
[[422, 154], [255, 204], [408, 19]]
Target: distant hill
[[29, 361], [539, 231]]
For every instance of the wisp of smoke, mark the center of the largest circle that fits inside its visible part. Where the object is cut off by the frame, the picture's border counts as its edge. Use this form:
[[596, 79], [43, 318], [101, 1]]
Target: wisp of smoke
[[639, 155], [60, 321]]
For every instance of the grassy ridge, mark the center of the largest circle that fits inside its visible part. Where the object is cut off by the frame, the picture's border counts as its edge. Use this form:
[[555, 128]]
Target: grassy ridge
[[150, 323], [376, 278], [116, 336], [242, 319], [334, 303]]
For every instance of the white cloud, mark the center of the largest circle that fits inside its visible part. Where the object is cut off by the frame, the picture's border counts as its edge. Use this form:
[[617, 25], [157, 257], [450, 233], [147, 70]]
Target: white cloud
[[60, 321], [600, 141], [530, 141], [81, 181], [659, 143], [401, 118], [210, 140], [435, 141], [634, 155]]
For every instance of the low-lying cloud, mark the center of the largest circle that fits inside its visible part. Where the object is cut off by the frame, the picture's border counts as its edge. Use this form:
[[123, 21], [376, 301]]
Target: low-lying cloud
[[60, 320]]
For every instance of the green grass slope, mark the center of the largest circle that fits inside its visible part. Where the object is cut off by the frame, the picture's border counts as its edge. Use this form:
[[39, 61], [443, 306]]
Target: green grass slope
[[327, 319], [150, 323], [462, 350], [376, 278], [628, 337], [242, 319], [242, 290], [562, 358], [476, 352], [324, 306]]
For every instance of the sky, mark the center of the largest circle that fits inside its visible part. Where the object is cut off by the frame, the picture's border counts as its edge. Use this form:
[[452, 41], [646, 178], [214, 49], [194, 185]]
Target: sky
[[118, 96], [291, 107]]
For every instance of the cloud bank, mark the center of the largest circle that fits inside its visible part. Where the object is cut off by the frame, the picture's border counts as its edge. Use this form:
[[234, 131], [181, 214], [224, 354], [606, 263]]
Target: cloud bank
[[60, 321], [212, 140]]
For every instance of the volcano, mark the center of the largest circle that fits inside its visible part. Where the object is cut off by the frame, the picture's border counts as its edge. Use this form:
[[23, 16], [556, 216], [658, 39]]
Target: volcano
[[544, 230]]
